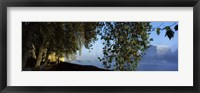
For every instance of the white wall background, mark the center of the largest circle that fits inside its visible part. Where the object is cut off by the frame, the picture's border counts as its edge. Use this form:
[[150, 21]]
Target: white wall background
[[17, 77]]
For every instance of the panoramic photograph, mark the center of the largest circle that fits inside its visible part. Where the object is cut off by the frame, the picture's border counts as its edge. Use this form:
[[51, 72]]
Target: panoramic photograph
[[100, 46]]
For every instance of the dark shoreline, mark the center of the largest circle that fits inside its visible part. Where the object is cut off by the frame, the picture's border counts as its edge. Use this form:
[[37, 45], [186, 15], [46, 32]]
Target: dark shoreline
[[62, 66], [66, 66]]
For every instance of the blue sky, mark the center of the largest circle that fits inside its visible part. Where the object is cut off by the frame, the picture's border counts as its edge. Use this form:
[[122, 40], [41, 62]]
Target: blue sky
[[165, 50], [161, 39]]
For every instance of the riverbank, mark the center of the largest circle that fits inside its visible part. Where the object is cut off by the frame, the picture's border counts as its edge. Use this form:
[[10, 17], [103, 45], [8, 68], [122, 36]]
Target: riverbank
[[65, 66]]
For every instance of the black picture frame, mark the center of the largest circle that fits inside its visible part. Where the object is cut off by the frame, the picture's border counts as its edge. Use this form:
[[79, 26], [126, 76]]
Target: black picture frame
[[98, 3]]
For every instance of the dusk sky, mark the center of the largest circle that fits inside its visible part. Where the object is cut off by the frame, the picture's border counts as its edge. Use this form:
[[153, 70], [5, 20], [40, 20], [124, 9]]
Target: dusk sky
[[161, 56]]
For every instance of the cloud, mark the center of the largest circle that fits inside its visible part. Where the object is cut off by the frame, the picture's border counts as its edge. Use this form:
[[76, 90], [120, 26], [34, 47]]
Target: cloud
[[163, 50], [159, 58]]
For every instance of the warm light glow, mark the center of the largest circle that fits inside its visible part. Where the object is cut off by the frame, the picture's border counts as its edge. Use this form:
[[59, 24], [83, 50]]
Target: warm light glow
[[53, 58]]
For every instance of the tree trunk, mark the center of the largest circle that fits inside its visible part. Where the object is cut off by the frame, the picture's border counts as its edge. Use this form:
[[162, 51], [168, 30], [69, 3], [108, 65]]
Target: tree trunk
[[28, 53], [46, 59], [39, 58], [33, 51], [58, 59], [25, 57]]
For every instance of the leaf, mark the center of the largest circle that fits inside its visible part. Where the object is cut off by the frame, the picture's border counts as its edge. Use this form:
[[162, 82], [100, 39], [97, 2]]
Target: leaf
[[99, 58], [169, 34], [176, 28], [167, 28], [151, 39], [158, 31]]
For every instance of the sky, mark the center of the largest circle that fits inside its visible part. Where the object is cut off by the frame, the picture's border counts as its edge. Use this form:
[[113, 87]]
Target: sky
[[161, 39], [161, 56]]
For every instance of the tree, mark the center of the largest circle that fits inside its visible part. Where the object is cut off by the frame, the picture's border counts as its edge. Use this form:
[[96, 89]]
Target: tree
[[60, 37], [125, 42]]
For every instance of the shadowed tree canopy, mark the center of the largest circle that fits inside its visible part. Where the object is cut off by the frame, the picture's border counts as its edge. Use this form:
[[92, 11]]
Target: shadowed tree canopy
[[59, 37]]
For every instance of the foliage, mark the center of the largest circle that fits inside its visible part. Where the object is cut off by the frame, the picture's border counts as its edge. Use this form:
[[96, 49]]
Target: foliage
[[176, 28], [158, 31], [169, 32], [59, 37], [124, 43]]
